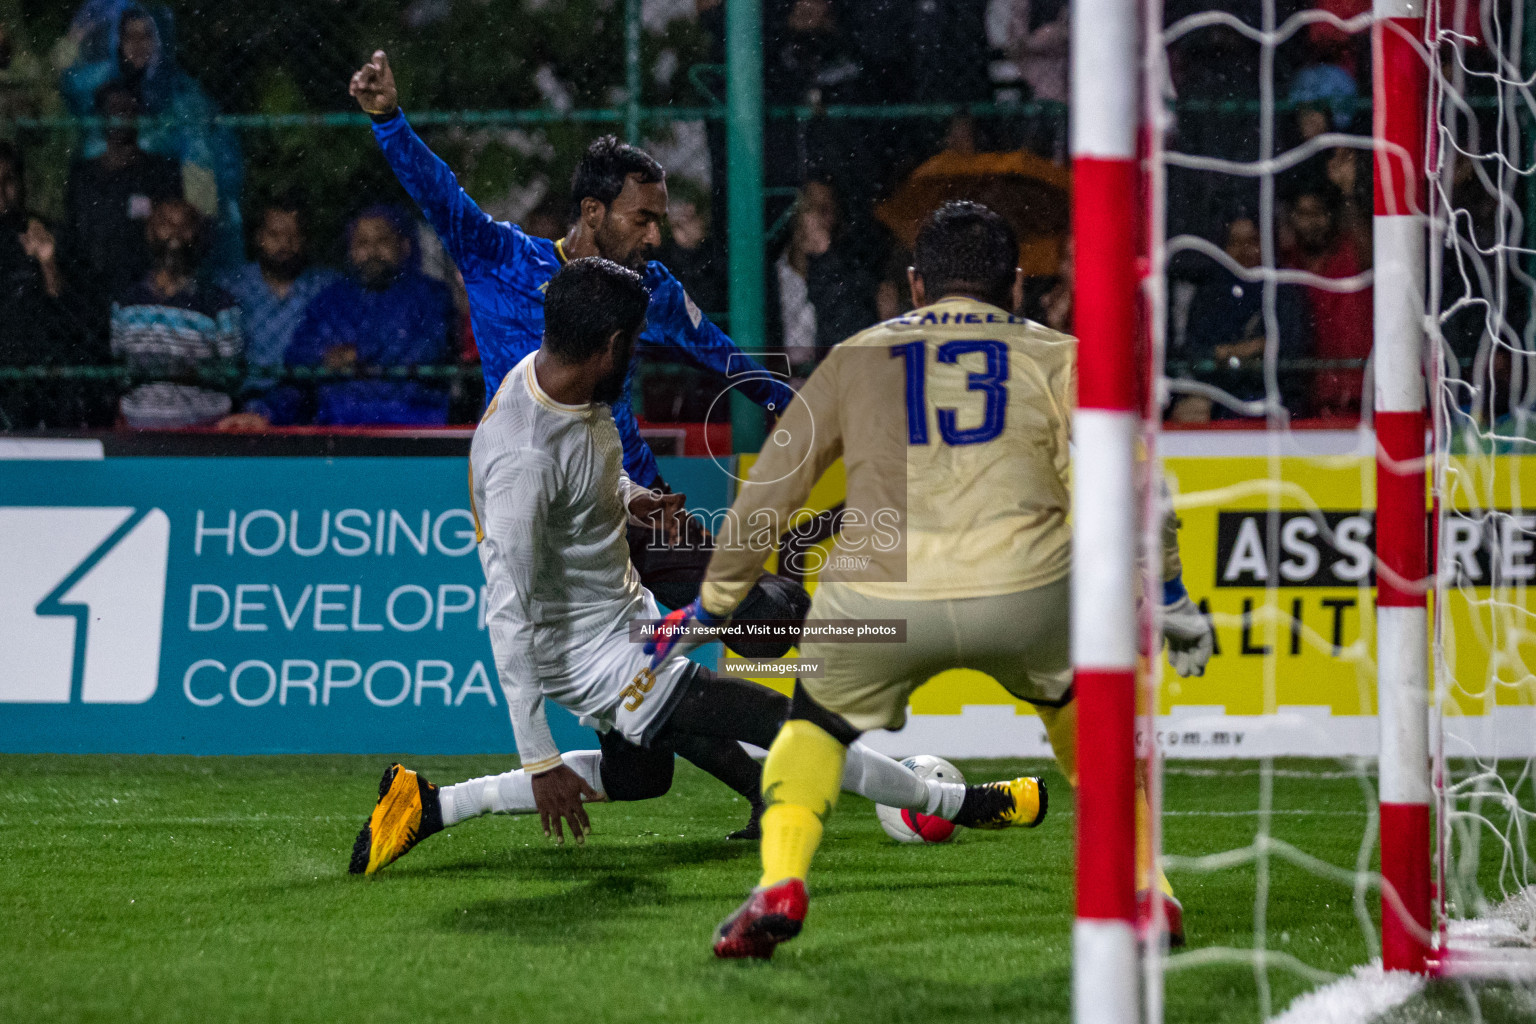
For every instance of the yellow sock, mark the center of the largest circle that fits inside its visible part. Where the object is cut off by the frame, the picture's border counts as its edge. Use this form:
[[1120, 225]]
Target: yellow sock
[[1061, 729], [801, 780], [1144, 866]]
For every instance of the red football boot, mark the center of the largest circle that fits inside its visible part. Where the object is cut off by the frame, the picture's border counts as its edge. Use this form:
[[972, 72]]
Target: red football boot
[[770, 916], [1173, 916]]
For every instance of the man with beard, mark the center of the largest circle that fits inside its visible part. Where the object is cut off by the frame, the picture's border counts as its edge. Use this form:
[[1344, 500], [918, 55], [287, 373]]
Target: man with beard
[[550, 503], [274, 292], [618, 200], [170, 326], [384, 313]]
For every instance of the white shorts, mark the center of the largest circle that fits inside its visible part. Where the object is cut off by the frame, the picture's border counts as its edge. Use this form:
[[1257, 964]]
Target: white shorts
[[642, 698]]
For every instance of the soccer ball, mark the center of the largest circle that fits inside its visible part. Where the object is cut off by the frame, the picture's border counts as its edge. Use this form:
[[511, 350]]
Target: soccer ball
[[910, 826]]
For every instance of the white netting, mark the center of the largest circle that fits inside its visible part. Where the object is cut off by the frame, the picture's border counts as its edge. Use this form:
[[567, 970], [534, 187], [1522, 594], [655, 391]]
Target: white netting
[[1483, 327], [1480, 303]]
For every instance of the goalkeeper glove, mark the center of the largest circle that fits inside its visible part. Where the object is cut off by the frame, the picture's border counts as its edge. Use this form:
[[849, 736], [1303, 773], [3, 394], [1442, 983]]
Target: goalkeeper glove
[[1187, 631], [683, 630]]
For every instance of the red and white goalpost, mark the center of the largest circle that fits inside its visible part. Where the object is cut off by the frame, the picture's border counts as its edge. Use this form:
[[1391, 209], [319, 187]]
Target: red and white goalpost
[[1400, 111], [1106, 120], [1106, 213], [1108, 216]]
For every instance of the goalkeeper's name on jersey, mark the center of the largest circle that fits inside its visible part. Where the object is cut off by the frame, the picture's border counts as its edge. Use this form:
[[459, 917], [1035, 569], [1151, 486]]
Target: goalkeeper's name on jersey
[[848, 631]]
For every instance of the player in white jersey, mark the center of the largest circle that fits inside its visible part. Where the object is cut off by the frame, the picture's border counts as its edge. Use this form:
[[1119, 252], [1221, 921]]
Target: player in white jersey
[[551, 508], [953, 423]]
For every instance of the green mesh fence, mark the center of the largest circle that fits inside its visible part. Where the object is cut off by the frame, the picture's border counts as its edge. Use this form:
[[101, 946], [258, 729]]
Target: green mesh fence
[[509, 92]]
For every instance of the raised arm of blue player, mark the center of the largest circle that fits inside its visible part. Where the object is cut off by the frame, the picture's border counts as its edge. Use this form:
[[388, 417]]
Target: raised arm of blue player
[[674, 320], [476, 242]]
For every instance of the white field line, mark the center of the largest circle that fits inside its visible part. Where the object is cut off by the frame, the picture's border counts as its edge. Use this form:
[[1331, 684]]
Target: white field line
[[233, 819], [1279, 773], [1359, 998], [1298, 812]]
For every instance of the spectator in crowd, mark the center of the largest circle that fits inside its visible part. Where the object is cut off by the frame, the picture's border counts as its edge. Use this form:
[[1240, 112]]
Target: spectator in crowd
[[110, 196], [92, 35], [1311, 120], [1034, 37], [1308, 121], [691, 251], [139, 53], [1328, 236], [1216, 65], [384, 314], [811, 59], [171, 327], [1048, 300], [1226, 325], [1325, 96], [273, 291], [25, 90], [39, 322], [466, 393], [1349, 51], [548, 218], [28, 88], [818, 296], [1324, 86], [893, 293], [1466, 294], [33, 282], [932, 52]]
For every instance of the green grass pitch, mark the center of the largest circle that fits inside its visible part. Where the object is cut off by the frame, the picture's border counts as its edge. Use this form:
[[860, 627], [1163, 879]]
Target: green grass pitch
[[196, 889]]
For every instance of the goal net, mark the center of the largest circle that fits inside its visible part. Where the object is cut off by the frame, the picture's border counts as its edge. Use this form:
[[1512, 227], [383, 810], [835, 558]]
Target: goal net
[[1336, 314], [1482, 335]]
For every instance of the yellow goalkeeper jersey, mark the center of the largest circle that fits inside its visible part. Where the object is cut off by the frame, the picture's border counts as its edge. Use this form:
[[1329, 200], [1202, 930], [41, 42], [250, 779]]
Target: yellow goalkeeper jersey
[[953, 423]]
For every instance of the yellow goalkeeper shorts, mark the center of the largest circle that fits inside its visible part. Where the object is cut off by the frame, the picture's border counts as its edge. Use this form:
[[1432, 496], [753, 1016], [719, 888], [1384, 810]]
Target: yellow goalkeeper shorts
[[1019, 639]]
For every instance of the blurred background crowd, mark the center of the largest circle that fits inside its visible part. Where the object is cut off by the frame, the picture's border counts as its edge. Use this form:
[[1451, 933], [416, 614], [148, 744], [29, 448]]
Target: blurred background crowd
[[186, 239]]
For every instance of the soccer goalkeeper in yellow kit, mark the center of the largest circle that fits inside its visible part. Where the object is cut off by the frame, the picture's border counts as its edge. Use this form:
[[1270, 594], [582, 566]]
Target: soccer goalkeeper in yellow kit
[[953, 423]]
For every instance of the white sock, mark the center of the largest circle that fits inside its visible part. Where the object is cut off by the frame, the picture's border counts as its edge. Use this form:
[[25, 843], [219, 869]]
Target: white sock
[[511, 792], [945, 798], [887, 781]]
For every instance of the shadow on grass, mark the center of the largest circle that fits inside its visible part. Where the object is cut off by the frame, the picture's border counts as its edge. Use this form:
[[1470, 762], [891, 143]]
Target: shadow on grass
[[835, 978], [572, 914], [623, 886], [576, 862], [827, 988]]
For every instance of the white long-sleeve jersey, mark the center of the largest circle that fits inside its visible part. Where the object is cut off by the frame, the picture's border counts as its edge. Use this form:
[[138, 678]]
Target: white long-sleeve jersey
[[550, 503]]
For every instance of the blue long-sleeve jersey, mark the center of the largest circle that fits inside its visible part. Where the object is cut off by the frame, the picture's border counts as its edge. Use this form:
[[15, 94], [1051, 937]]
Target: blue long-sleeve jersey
[[506, 271]]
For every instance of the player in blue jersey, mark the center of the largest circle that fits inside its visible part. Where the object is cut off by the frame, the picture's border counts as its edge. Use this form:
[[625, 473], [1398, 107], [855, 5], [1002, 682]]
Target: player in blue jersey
[[618, 201]]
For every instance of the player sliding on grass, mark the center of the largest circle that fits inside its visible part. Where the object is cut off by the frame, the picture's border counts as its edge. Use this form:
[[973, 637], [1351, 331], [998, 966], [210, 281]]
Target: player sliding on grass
[[549, 501], [955, 418], [619, 198]]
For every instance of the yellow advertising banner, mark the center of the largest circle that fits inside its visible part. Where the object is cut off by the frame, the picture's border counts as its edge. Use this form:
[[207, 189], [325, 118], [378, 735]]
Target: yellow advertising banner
[[1276, 537]]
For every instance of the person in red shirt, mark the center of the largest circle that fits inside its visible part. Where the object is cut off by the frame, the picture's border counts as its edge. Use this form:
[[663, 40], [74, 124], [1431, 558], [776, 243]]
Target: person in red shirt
[[1330, 237]]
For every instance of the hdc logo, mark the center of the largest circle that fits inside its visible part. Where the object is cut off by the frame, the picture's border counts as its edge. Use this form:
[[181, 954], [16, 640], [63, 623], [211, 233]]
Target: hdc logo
[[82, 596]]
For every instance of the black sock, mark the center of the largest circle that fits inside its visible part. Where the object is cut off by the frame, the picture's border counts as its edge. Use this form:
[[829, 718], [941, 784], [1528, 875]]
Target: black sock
[[726, 761]]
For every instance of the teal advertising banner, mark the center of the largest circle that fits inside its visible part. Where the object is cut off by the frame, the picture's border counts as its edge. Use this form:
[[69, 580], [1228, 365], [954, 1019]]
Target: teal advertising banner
[[253, 605]]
